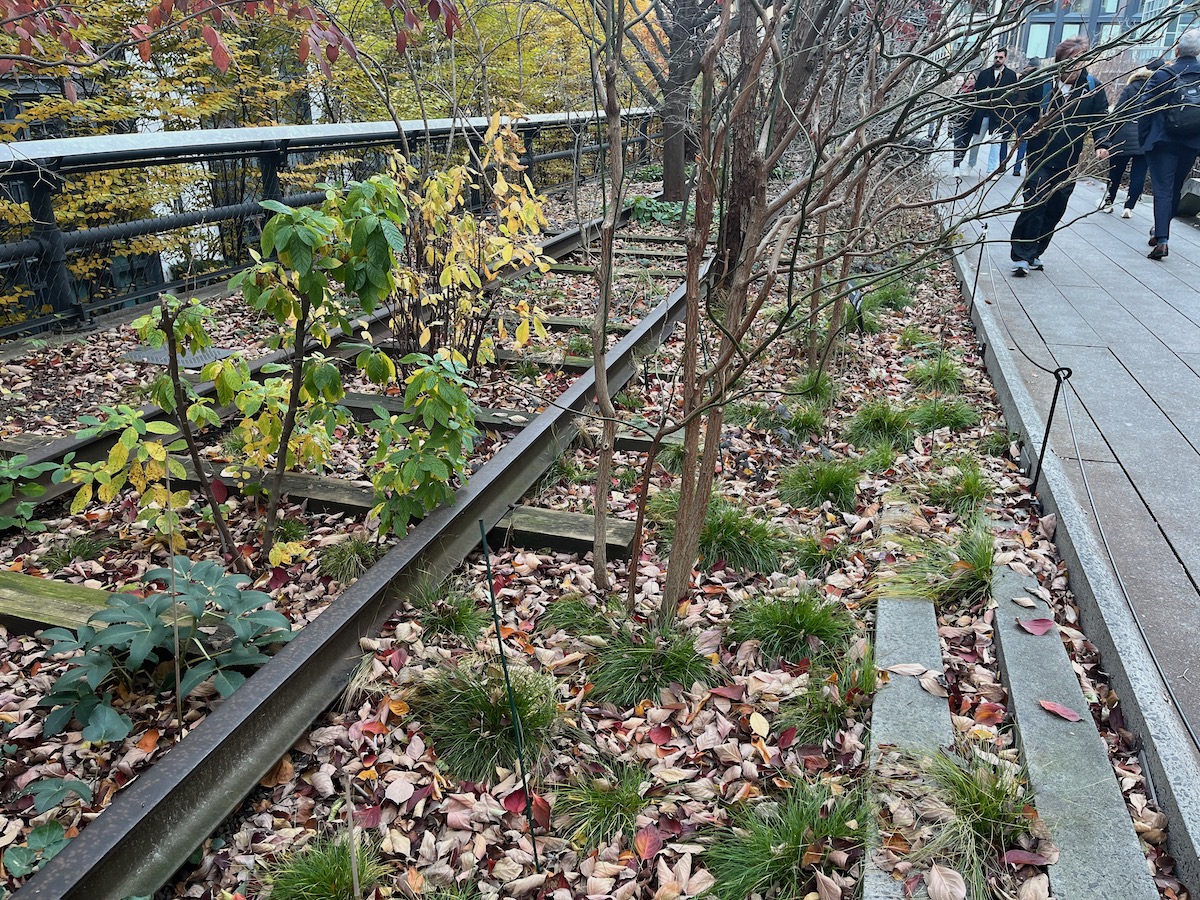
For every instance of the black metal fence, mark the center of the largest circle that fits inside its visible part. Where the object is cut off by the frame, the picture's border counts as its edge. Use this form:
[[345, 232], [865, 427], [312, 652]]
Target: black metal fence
[[97, 223]]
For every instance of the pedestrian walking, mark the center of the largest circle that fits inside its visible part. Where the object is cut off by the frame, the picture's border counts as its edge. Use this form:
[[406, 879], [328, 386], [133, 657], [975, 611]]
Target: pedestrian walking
[[992, 113], [1072, 104], [1169, 128], [1125, 146], [1026, 94]]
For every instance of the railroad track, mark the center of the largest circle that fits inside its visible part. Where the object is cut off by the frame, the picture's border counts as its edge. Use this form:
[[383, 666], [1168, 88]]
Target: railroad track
[[153, 825]]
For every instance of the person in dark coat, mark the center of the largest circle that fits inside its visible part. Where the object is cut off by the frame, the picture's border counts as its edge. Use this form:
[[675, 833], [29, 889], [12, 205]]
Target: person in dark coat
[[1026, 95], [992, 110], [1125, 147], [1072, 104], [1169, 157]]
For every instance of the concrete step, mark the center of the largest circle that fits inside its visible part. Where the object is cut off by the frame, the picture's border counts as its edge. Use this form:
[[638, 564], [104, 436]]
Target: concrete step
[[1074, 788]]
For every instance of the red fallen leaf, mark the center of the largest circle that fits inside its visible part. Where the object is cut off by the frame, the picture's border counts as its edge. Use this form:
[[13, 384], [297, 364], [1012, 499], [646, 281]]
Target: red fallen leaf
[[730, 691], [989, 713], [279, 577], [373, 726], [647, 842], [670, 825], [516, 801], [1036, 626], [1058, 709], [660, 734], [220, 490], [368, 816], [541, 811], [1024, 858], [787, 738]]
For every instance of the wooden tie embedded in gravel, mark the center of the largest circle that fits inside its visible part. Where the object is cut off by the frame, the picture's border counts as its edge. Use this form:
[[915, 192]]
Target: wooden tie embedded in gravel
[[572, 269], [362, 407], [1072, 781], [566, 363], [903, 714], [533, 527], [26, 600]]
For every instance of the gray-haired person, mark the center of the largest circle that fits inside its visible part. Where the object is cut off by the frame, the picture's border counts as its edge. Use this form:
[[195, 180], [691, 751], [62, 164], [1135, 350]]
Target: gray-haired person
[[1169, 128]]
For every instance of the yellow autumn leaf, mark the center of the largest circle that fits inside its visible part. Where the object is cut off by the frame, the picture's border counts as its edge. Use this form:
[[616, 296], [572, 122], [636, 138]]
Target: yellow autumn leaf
[[758, 724], [81, 499], [426, 336], [523, 333]]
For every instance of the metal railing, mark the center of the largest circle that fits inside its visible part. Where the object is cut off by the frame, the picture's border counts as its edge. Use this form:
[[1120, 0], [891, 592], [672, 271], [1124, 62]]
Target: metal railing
[[211, 236]]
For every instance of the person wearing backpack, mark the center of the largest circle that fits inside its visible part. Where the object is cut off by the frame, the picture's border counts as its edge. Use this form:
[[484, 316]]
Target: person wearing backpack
[[1072, 104], [1169, 129], [1124, 146]]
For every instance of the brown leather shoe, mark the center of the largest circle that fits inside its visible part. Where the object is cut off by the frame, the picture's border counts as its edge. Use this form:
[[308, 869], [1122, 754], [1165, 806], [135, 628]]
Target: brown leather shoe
[[1159, 252]]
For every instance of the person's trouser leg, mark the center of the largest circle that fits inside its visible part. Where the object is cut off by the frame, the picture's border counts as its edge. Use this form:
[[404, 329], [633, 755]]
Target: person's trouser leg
[[1020, 156], [976, 140], [1137, 180], [1053, 212], [1028, 229], [1161, 162], [1116, 171]]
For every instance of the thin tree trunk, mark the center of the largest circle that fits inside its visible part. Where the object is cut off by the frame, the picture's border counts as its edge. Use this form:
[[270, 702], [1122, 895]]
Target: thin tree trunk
[[289, 425], [228, 544]]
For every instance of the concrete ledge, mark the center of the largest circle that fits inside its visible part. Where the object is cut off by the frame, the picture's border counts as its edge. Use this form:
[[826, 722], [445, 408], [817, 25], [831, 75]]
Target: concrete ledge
[[1172, 761], [1074, 790]]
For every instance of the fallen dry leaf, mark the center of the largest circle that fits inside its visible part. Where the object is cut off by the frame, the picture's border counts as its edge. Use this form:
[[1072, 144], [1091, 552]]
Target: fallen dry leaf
[[1036, 888], [758, 724], [945, 884], [916, 670], [1058, 709], [931, 685], [1036, 626]]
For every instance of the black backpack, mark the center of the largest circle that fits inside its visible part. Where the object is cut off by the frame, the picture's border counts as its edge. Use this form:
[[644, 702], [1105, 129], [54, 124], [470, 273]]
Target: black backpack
[[1182, 119]]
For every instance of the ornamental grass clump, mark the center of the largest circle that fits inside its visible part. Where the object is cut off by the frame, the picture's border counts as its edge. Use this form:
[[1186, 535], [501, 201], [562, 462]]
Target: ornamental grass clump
[[812, 482], [815, 388], [638, 666], [770, 849], [879, 421], [793, 627], [931, 570], [447, 608], [737, 537], [942, 373], [953, 413], [323, 869], [575, 615], [962, 489], [833, 698], [82, 547], [467, 715], [349, 559], [819, 554], [600, 808]]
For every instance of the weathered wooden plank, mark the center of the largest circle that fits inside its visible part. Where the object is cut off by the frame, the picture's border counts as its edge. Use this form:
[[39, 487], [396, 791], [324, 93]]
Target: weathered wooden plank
[[651, 253], [28, 600], [568, 363], [324, 493], [639, 442], [362, 407], [572, 269], [530, 526]]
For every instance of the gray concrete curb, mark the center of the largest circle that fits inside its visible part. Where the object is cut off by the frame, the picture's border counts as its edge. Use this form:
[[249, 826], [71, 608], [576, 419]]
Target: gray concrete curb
[[1074, 791], [1171, 759]]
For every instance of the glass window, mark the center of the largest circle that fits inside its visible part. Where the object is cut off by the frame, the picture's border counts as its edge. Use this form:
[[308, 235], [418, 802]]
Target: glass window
[[1039, 40]]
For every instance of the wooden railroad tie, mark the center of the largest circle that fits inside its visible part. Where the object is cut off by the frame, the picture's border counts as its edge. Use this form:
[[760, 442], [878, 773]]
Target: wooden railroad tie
[[28, 600]]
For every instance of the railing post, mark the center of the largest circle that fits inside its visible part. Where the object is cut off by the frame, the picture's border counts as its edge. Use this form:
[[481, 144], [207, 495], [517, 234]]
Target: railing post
[[55, 289], [269, 165], [529, 157]]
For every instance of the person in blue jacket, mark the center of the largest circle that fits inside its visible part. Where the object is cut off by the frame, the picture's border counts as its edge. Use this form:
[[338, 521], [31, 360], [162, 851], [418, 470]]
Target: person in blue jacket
[[1073, 103], [1169, 157]]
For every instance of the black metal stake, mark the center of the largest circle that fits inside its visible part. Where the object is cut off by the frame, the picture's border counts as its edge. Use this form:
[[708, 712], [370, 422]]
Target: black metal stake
[[512, 700], [978, 269], [1061, 374]]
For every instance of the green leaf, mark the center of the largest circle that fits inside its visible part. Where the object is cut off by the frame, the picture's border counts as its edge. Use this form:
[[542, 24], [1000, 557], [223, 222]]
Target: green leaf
[[228, 682], [160, 427], [20, 861], [276, 207], [105, 725]]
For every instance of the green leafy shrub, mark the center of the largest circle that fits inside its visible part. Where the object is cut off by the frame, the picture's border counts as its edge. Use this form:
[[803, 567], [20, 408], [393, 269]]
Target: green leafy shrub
[[942, 373], [649, 210], [140, 635], [579, 345], [600, 808], [744, 541], [762, 855], [953, 413], [348, 559], [792, 627], [422, 451], [812, 482], [466, 714], [636, 667], [880, 421], [43, 844], [18, 480], [324, 869], [649, 172]]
